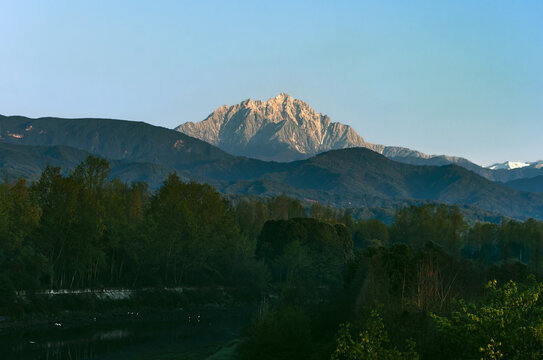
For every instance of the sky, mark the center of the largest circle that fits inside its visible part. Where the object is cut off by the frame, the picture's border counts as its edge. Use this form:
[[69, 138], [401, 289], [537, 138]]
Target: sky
[[459, 77]]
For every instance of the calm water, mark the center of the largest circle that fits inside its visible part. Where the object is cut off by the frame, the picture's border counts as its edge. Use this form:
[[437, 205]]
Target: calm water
[[130, 335]]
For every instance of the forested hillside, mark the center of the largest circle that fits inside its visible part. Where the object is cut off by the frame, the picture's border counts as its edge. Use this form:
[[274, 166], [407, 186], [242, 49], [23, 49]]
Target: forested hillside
[[327, 286], [532, 184], [355, 177]]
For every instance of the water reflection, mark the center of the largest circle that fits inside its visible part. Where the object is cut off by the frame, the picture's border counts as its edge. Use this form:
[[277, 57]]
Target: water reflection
[[68, 345], [126, 336]]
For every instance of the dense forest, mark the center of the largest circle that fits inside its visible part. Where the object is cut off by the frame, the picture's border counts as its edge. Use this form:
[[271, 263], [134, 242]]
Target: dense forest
[[329, 286]]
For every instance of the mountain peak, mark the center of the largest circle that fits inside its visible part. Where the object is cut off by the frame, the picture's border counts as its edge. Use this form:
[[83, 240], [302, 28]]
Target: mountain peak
[[285, 129], [282, 97], [286, 100], [508, 165], [281, 128]]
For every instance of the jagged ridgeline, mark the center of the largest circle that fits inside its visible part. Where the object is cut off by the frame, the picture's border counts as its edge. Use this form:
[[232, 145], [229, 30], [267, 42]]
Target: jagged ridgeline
[[288, 129], [280, 129], [353, 177]]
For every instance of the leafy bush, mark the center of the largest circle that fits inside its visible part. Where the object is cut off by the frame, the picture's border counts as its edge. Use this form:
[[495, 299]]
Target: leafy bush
[[372, 343], [508, 324]]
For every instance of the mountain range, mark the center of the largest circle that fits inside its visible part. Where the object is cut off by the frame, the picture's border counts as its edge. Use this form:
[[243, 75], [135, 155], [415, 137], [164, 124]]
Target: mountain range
[[352, 177], [511, 165], [532, 184], [280, 129], [287, 129]]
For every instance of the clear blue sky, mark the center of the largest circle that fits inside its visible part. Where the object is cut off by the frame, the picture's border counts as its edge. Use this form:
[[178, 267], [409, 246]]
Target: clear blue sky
[[444, 77]]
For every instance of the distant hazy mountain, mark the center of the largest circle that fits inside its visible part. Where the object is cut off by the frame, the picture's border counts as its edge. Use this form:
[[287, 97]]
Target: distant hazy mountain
[[354, 177], [280, 129], [360, 177], [414, 157], [18, 161], [113, 139], [533, 184], [510, 165], [28, 162], [286, 129], [509, 171]]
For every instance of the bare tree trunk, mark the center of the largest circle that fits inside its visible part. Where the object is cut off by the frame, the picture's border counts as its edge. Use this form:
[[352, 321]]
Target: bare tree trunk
[[403, 286], [73, 279]]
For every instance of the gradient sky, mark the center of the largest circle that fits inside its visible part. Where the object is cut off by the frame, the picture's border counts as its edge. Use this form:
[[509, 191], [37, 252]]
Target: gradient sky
[[459, 77]]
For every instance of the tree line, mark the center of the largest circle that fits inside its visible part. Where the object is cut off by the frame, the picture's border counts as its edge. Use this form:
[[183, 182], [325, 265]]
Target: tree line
[[330, 286], [84, 230], [426, 286]]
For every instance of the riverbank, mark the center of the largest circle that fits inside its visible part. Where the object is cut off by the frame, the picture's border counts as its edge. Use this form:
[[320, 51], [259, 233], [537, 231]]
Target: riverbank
[[31, 305], [167, 323], [193, 332]]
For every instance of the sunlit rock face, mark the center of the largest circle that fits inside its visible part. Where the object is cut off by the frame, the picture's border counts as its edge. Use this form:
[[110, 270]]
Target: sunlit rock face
[[280, 129], [287, 129]]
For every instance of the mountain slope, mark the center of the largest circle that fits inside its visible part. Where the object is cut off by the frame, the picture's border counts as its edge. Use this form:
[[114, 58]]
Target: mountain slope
[[352, 177], [112, 139], [534, 184], [362, 174], [28, 162], [286, 129], [508, 165], [280, 129], [360, 177]]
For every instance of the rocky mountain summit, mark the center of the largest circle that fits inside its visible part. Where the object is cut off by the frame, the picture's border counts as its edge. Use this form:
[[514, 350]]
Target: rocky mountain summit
[[287, 129], [280, 129]]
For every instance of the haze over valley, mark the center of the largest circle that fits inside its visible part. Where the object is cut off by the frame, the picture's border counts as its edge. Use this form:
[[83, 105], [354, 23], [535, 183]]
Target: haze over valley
[[288, 132]]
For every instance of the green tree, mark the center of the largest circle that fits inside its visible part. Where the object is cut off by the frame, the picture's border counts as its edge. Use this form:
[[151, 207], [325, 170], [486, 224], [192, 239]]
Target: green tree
[[74, 221], [195, 232], [534, 242], [20, 264], [370, 233], [417, 225], [509, 324], [329, 246], [57, 198], [281, 334], [372, 343]]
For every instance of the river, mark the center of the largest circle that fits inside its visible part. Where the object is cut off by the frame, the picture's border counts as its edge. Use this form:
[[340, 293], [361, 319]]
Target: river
[[193, 333]]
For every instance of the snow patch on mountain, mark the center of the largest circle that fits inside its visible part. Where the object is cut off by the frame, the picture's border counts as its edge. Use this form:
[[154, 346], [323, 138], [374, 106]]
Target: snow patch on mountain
[[508, 165]]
